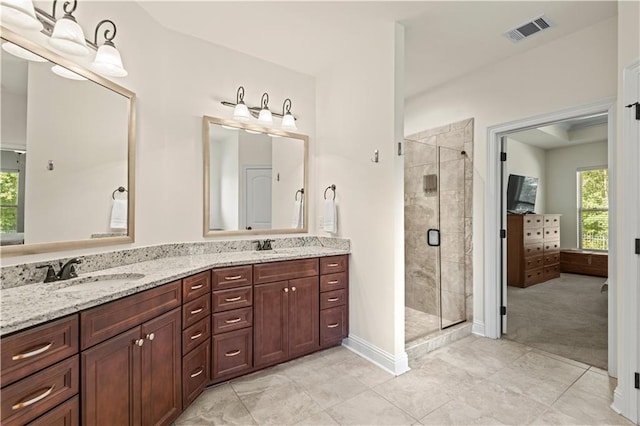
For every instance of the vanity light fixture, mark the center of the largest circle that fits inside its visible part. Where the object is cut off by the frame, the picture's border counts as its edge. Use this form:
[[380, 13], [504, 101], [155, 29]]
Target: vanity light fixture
[[288, 120], [67, 35], [265, 116], [21, 52], [240, 111], [108, 60], [20, 13]]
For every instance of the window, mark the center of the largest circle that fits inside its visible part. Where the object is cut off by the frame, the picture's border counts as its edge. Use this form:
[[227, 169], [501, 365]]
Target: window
[[9, 201], [593, 209]]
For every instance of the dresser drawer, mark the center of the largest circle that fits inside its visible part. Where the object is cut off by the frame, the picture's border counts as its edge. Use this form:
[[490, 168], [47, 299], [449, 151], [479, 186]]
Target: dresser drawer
[[533, 249], [552, 271], [533, 262], [196, 334], [27, 399], [28, 351], [196, 372], [194, 311], [551, 246], [333, 325], [196, 286], [532, 235], [283, 271], [232, 320], [226, 300], [237, 276], [551, 234], [533, 221], [533, 276], [552, 257], [333, 281], [333, 298], [67, 414], [552, 220], [332, 264], [232, 353]]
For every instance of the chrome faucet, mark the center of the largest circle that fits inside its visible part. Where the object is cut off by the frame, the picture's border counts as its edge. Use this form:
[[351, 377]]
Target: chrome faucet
[[51, 273], [68, 270], [264, 245]]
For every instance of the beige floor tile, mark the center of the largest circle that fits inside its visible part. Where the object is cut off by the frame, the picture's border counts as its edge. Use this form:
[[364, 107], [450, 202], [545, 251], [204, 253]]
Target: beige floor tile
[[563, 359], [545, 368], [597, 384], [259, 381], [308, 375], [478, 362], [320, 419], [555, 417], [334, 391], [588, 408], [338, 354], [458, 413], [369, 408], [216, 406], [544, 391], [365, 371]]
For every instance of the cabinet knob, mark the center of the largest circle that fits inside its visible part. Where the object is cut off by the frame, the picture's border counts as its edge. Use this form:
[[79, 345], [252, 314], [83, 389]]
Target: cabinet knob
[[139, 342], [151, 336], [286, 289], [293, 289]]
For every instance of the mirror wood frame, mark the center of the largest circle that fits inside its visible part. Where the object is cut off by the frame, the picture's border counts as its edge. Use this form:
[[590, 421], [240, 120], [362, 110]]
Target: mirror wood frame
[[206, 123], [26, 249]]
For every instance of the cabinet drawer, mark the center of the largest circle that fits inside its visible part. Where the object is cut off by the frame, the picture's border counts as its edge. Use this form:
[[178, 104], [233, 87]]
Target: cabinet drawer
[[533, 221], [282, 271], [533, 276], [232, 353], [196, 286], [551, 246], [552, 257], [105, 321], [333, 281], [28, 351], [552, 271], [232, 277], [533, 249], [532, 235], [196, 372], [194, 311], [551, 234], [551, 220], [331, 264], [67, 414], [232, 320], [333, 325], [330, 299], [196, 334], [533, 262], [225, 300], [25, 400]]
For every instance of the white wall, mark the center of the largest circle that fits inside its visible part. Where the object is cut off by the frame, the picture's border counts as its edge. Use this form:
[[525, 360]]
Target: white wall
[[287, 161], [573, 70], [562, 193], [14, 120], [223, 173], [253, 150], [529, 160]]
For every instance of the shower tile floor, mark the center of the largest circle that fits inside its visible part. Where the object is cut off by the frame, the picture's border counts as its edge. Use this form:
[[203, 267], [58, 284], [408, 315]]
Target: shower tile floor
[[418, 324], [471, 381]]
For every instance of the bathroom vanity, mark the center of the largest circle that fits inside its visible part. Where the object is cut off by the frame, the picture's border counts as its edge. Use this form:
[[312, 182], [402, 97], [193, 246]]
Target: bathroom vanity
[[143, 358]]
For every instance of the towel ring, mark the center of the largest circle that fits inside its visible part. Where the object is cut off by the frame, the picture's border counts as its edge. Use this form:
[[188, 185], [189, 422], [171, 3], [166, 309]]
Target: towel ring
[[330, 187], [299, 191], [119, 189]]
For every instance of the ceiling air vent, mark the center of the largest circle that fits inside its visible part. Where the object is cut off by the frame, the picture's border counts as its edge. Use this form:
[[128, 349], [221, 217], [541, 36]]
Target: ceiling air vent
[[525, 30]]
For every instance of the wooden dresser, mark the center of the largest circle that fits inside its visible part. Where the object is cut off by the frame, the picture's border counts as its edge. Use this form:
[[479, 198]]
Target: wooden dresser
[[533, 248]]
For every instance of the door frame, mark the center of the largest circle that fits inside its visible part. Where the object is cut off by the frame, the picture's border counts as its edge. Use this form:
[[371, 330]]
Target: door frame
[[493, 273]]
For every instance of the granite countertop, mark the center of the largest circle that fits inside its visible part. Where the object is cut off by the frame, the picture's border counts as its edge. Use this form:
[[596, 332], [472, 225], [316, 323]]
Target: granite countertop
[[28, 305]]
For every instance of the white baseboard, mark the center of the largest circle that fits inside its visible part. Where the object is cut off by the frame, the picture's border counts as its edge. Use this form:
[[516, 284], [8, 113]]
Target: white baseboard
[[395, 365], [478, 328], [617, 400]]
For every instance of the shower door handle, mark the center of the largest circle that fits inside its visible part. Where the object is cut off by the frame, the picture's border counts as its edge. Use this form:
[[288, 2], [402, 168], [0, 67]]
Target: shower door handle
[[433, 237]]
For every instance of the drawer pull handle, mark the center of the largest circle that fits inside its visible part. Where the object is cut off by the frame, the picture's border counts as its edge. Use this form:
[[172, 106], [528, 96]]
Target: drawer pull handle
[[233, 278], [196, 336], [233, 321], [197, 311], [333, 299], [233, 299], [151, 336], [33, 400], [333, 282], [195, 287], [199, 372], [33, 352], [234, 353], [333, 325], [332, 265]]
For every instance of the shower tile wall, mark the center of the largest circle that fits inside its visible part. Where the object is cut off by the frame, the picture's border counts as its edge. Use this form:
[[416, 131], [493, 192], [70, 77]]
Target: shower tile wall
[[421, 213]]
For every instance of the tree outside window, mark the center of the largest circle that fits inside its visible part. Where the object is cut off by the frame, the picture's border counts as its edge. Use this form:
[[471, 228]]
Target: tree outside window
[[593, 209], [8, 201]]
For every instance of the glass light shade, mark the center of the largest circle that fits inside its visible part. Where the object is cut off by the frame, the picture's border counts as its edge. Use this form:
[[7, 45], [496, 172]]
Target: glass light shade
[[20, 13], [253, 132], [229, 127], [21, 52], [288, 122], [63, 72], [241, 113], [68, 37], [108, 62], [265, 116]]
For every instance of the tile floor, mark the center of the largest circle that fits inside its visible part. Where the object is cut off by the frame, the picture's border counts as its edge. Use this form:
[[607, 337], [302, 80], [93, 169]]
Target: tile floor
[[418, 324], [471, 381]]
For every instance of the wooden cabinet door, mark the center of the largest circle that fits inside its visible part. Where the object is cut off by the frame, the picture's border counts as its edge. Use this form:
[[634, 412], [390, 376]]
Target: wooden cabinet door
[[161, 398], [304, 305], [110, 382], [271, 336]]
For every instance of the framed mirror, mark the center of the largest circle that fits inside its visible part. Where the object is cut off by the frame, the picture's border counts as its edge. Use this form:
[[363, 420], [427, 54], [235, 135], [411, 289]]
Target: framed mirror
[[67, 148], [255, 179]]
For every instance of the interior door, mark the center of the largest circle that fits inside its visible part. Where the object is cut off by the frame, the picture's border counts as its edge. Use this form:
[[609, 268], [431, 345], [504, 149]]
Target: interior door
[[258, 197]]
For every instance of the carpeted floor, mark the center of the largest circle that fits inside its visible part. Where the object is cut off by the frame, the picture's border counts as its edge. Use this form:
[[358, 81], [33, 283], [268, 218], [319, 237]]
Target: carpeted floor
[[566, 316]]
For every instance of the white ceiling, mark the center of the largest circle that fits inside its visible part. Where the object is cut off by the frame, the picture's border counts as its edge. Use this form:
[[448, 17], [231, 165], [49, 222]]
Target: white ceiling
[[565, 133], [444, 39]]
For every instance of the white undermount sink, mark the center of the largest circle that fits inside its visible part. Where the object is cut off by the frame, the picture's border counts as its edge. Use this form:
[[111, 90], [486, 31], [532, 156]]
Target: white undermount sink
[[93, 282]]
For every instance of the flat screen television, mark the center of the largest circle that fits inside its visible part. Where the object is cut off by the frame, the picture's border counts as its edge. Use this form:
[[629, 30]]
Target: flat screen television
[[521, 194]]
